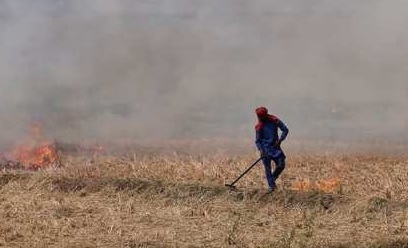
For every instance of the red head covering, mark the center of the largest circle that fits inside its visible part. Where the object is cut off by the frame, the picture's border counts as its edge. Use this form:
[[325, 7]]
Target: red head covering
[[261, 111], [263, 116]]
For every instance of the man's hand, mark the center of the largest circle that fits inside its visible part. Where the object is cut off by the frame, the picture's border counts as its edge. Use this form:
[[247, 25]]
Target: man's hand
[[263, 154], [278, 144]]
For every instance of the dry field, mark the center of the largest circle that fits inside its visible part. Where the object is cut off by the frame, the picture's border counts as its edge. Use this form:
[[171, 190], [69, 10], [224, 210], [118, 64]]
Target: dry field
[[149, 199]]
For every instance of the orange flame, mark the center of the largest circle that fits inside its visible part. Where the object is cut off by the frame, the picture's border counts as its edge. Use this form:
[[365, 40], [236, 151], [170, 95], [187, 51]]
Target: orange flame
[[303, 186], [327, 186], [35, 157], [35, 153]]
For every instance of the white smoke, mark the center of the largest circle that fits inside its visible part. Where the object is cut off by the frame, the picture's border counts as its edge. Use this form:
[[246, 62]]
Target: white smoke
[[331, 69]]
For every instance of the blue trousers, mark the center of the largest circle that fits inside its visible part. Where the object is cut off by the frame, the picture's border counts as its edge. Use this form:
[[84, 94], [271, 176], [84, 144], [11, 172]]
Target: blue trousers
[[272, 176]]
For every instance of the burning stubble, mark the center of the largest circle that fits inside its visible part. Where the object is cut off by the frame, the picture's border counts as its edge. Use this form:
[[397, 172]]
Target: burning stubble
[[114, 70]]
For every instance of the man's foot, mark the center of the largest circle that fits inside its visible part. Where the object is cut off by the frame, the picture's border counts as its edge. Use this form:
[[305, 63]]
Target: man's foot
[[271, 189]]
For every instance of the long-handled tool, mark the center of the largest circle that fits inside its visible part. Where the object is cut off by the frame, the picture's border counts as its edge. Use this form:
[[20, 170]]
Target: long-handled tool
[[231, 185]]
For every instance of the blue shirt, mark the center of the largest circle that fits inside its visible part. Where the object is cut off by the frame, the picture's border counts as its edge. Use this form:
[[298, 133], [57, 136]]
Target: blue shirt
[[267, 136]]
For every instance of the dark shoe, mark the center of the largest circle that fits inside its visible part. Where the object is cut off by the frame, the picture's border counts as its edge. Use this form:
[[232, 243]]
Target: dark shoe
[[271, 189]]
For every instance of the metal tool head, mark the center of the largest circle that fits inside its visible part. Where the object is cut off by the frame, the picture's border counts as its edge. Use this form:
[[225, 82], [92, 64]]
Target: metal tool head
[[230, 186]]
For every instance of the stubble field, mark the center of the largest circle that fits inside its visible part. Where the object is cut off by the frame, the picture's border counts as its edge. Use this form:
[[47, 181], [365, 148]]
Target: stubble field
[[166, 199]]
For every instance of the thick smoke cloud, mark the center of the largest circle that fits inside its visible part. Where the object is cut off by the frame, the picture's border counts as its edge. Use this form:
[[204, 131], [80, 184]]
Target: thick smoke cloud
[[136, 69]]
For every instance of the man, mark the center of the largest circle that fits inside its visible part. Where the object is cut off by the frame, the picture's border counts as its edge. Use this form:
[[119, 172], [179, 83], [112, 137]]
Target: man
[[268, 143]]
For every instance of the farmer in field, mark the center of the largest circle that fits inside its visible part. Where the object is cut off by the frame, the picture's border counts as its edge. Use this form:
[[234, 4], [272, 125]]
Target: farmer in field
[[268, 143]]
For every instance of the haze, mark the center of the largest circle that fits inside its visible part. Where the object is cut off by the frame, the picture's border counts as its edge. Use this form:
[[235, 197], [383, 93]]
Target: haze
[[169, 69]]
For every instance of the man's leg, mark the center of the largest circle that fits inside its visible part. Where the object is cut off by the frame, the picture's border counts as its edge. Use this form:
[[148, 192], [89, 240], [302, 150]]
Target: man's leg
[[280, 166], [268, 172]]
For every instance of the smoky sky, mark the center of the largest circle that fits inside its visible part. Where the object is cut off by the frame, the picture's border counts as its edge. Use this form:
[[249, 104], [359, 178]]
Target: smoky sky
[[137, 69]]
